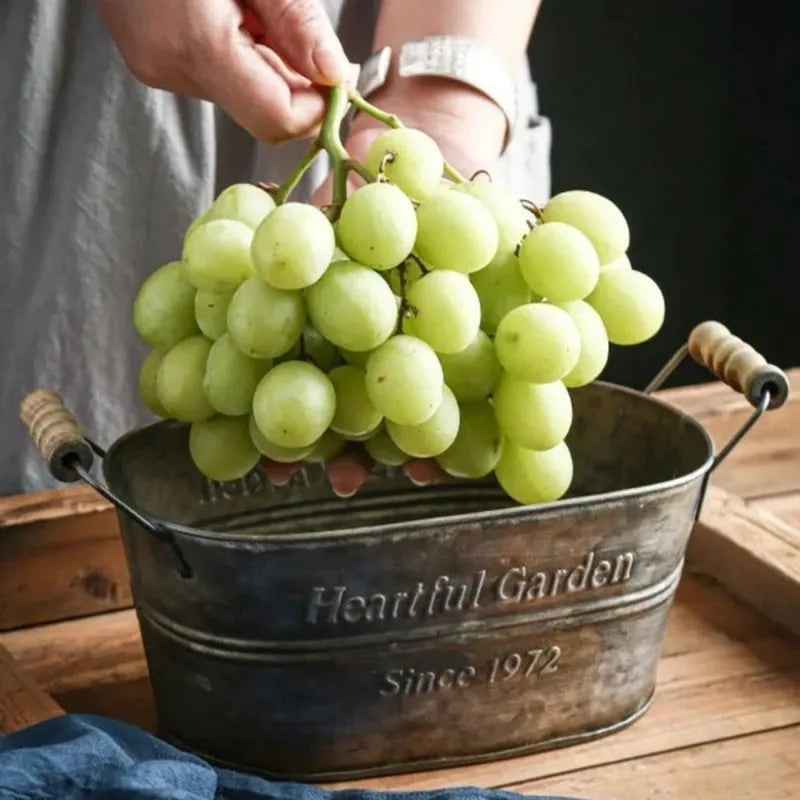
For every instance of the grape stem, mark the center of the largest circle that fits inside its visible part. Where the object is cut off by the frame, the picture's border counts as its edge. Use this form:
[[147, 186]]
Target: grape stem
[[393, 121], [530, 206], [331, 139], [416, 259], [354, 166], [281, 194]]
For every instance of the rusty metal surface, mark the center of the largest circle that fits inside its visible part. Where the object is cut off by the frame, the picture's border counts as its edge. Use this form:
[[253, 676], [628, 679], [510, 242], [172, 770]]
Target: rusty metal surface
[[410, 627]]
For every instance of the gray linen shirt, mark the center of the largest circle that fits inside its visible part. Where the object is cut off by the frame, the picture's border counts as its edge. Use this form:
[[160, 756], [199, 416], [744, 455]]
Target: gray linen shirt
[[99, 177]]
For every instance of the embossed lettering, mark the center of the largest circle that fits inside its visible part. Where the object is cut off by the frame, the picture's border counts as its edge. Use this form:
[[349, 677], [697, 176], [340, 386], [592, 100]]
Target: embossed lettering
[[623, 568], [519, 586], [438, 586], [398, 598], [538, 586], [582, 572], [553, 654], [412, 606], [476, 596], [464, 677], [446, 679], [444, 595], [425, 682], [515, 667], [559, 576], [600, 574], [254, 481], [391, 680], [376, 605], [328, 599], [353, 608]]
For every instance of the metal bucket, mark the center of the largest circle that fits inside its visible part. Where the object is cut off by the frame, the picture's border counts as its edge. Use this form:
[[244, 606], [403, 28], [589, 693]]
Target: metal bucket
[[296, 634]]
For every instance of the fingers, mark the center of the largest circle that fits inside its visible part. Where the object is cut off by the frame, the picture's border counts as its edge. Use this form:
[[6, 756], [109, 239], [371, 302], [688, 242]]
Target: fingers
[[302, 34], [278, 472], [348, 472], [244, 81], [423, 472]]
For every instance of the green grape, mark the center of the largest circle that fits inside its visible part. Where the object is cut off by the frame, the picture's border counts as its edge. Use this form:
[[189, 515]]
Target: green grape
[[476, 449], [444, 311], [630, 304], [362, 437], [594, 344], [211, 312], [384, 451], [284, 455], [558, 262], [231, 377], [358, 358], [404, 380], [415, 161], [195, 223], [501, 288], [433, 436], [505, 208], [222, 449], [472, 373], [243, 202], [538, 342], [163, 311], [293, 246], [294, 404], [327, 447], [147, 382], [534, 476], [595, 216], [216, 255], [355, 415], [320, 350], [179, 380], [377, 226], [623, 262], [455, 231], [352, 306], [534, 415], [265, 322], [411, 273]]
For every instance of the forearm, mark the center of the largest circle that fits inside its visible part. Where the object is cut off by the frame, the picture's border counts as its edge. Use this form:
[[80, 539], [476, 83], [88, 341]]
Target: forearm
[[446, 108]]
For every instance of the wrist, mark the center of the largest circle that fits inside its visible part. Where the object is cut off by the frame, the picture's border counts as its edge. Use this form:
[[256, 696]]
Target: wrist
[[469, 127]]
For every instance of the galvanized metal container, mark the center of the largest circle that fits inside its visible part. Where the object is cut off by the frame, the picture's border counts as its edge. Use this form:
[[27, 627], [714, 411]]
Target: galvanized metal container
[[296, 634]]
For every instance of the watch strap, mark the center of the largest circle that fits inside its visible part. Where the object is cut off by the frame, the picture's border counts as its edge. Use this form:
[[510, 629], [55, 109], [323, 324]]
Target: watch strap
[[452, 57]]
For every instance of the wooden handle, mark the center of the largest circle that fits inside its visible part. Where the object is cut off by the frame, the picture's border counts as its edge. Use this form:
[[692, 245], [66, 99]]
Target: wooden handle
[[55, 433], [736, 363]]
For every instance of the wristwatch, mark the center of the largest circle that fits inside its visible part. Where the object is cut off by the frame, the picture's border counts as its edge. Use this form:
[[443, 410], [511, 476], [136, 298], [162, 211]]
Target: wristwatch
[[453, 57]]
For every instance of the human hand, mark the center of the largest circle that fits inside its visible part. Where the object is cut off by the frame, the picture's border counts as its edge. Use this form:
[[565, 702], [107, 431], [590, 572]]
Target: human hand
[[263, 62]]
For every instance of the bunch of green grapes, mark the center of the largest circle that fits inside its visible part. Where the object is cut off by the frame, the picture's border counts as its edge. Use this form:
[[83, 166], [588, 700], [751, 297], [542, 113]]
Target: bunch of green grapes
[[419, 318]]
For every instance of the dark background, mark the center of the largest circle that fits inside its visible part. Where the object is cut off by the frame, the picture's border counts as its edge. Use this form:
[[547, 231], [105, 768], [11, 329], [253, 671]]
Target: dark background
[[686, 115]]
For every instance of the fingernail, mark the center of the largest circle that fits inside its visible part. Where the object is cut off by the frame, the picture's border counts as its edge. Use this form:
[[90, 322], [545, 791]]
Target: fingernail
[[331, 65], [344, 495]]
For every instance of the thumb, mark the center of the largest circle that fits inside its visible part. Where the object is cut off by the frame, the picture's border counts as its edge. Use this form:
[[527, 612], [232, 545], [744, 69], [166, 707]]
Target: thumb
[[300, 31]]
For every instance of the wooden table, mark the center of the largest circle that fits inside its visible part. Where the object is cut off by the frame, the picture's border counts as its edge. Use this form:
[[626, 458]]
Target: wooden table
[[726, 719]]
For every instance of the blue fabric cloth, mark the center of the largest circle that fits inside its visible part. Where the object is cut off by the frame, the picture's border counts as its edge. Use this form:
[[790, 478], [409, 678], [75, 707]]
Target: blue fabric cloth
[[86, 757]]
